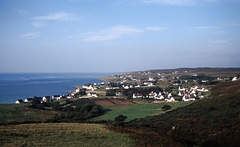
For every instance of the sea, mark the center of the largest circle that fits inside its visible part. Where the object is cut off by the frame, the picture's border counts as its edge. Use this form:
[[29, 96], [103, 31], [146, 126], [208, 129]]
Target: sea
[[14, 86]]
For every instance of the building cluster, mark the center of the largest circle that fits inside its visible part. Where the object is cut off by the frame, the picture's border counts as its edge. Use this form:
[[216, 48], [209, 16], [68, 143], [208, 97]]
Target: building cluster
[[190, 94], [43, 99], [186, 94], [161, 96], [56, 97]]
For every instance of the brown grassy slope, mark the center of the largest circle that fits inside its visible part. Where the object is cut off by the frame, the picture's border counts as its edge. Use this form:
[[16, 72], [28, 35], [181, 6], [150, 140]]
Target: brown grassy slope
[[211, 122], [112, 102], [61, 134]]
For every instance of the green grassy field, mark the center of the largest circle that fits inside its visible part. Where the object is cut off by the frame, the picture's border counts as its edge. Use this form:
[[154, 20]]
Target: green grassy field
[[61, 134], [18, 113], [137, 111]]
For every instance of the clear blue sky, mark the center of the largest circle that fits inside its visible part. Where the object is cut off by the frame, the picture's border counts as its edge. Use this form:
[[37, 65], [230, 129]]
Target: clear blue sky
[[118, 35]]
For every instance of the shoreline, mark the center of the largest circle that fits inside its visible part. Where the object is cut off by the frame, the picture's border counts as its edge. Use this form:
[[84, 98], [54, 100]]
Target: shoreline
[[26, 85]]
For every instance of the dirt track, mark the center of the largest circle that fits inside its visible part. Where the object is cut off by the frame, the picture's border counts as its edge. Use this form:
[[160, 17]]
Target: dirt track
[[112, 102]]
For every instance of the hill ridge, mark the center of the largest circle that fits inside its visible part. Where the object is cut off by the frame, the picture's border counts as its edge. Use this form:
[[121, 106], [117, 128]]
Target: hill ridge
[[211, 122]]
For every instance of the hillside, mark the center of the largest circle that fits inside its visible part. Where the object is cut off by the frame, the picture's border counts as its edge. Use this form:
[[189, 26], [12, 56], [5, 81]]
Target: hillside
[[211, 122], [205, 70], [112, 102]]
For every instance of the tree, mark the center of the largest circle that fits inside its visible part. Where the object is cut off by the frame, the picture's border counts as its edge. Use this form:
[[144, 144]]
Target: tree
[[96, 110], [166, 107], [56, 106], [120, 118]]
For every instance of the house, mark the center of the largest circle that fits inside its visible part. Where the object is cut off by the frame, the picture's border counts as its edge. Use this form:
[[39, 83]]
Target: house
[[92, 94], [188, 98], [56, 97], [234, 79], [69, 97], [169, 95], [170, 99], [74, 93], [90, 87], [194, 75], [151, 79], [137, 86], [28, 100], [78, 90], [137, 95], [19, 101], [46, 99], [119, 94], [160, 93], [159, 97], [152, 95], [180, 93], [193, 92], [125, 87], [181, 89], [150, 85]]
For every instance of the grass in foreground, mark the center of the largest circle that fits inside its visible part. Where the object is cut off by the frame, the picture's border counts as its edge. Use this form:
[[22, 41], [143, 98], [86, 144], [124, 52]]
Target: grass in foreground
[[137, 111], [61, 134]]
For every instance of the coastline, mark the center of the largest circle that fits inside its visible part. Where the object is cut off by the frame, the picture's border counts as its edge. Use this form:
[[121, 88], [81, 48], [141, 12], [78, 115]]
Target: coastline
[[14, 86]]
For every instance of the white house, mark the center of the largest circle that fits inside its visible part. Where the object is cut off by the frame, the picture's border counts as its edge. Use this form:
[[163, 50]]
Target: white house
[[91, 94], [137, 86], [78, 90], [150, 84], [90, 87], [181, 89], [159, 97], [46, 99], [193, 92], [69, 97], [28, 100], [194, 75], [19, 101], [180, 94], [169, 95], [234, 79], [126, 87], [151, 79], [138, 95], [118, 94], [170, 99], [56, 97], [185, 98], [152, 95]]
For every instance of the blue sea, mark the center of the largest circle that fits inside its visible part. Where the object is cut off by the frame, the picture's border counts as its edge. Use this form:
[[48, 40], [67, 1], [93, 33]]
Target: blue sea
[[15, 86]]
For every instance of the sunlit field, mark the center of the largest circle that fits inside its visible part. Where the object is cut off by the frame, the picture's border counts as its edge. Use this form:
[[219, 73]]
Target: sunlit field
[[137, 111]]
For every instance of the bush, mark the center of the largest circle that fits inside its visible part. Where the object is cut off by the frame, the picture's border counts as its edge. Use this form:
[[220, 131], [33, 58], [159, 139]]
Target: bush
[[96, 110], [56, 106], [120, 118], [68, 109], [166, 107]]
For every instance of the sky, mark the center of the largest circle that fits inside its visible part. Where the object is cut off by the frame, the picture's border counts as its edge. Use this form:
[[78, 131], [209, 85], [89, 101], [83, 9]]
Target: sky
[[118, 35]]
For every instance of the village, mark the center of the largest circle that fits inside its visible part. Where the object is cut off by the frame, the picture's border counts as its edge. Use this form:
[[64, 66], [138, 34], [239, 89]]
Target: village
[[142, 85]]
